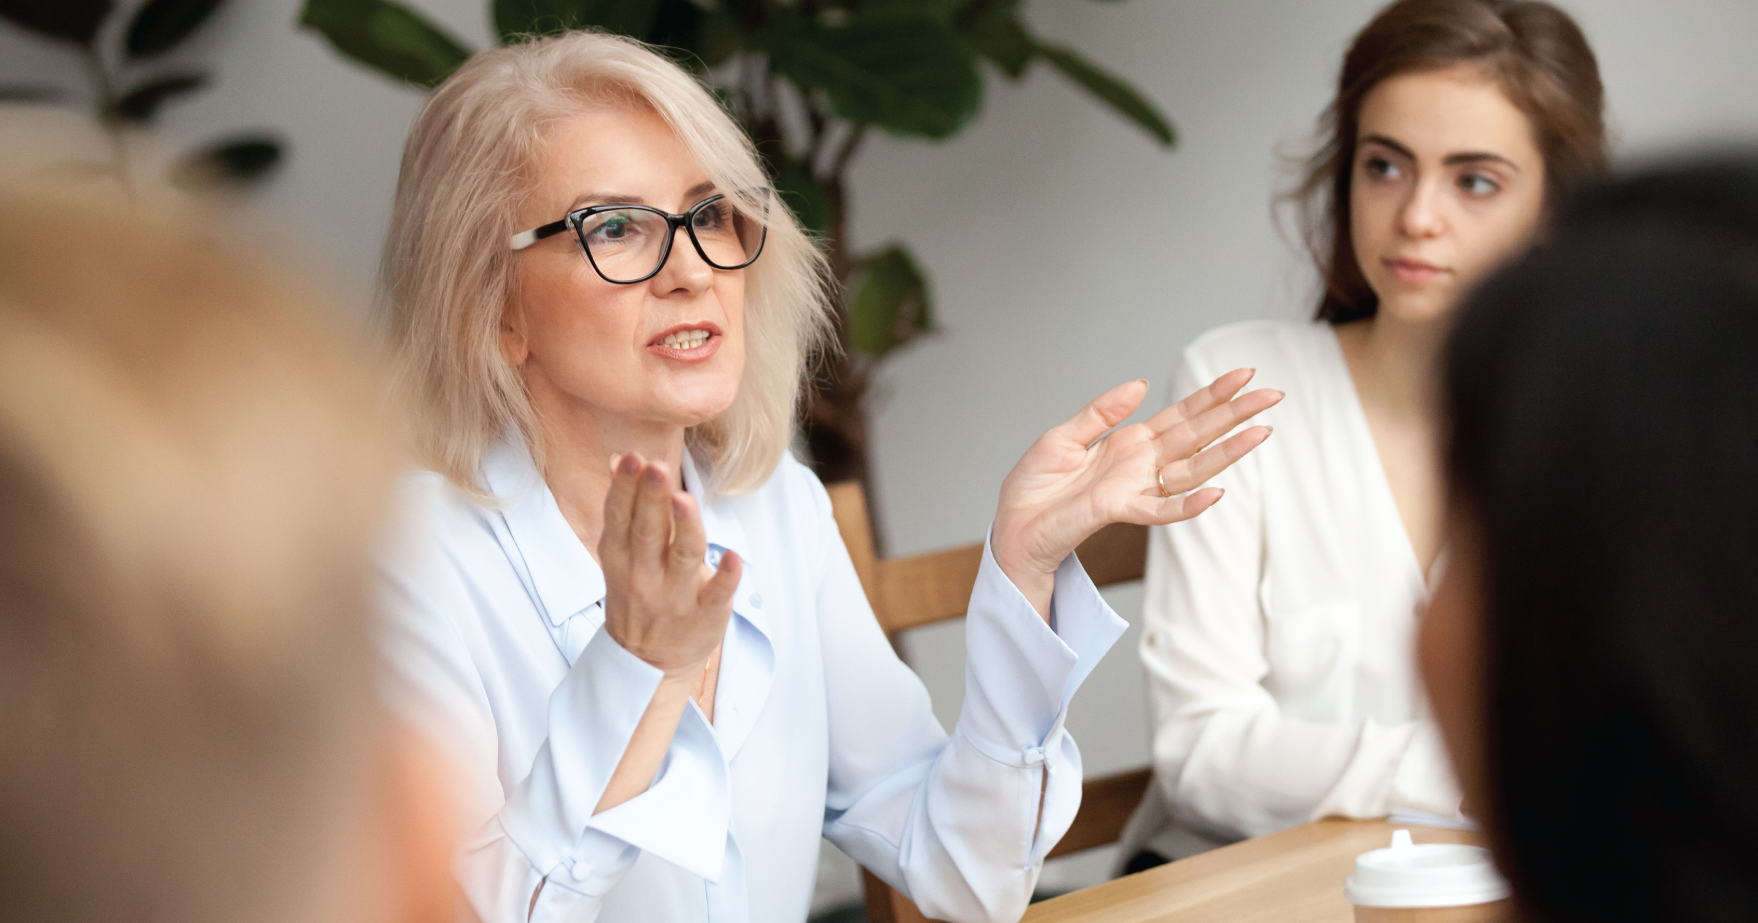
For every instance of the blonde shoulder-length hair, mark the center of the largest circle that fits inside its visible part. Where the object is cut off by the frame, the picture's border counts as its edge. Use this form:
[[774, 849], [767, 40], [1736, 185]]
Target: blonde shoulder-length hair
[[448, 270]]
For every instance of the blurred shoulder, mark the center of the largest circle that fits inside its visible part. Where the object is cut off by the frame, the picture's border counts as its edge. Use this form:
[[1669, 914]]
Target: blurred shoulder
[[789, 515], [428, 503], [1278, 347], [792, 494]]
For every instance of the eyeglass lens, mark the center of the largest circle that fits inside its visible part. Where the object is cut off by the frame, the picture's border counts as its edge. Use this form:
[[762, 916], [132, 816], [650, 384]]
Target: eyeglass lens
[[629, 244]]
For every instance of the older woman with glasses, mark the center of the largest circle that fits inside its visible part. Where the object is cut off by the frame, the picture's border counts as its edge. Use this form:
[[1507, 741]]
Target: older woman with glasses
[[622, 604]]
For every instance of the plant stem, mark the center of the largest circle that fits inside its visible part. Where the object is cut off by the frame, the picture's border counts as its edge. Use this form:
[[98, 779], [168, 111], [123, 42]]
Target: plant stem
[[847, 154], [108, 117]]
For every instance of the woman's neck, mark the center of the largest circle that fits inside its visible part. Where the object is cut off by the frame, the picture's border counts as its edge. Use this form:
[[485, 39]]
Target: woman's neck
[[578, 447], [1396, 366]]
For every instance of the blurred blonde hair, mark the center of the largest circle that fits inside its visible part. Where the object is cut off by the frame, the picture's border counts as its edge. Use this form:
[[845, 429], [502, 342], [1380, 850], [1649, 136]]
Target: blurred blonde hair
[[448, 275], [192, 473]]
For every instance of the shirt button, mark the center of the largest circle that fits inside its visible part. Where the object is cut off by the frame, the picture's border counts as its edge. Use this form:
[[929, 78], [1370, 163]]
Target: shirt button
[[757, 600], [580, 870]]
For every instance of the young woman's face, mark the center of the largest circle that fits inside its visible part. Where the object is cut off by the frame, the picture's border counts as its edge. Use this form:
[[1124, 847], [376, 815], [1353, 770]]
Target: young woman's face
[[667, 351], [1447, 182]]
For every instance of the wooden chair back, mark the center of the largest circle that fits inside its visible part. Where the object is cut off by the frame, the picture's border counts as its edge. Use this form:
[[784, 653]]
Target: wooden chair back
[[927, 588]]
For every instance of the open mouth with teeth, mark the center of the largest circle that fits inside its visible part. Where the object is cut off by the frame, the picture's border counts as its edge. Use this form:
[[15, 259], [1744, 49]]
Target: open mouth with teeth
[[687, 344], [686, 339]]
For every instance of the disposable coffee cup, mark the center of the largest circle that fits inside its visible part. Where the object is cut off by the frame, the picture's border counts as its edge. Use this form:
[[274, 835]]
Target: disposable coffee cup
[[1426, 883]]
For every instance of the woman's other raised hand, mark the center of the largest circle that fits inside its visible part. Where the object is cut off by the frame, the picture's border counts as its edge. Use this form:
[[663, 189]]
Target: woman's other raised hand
[[663, 603], [1071, 482]]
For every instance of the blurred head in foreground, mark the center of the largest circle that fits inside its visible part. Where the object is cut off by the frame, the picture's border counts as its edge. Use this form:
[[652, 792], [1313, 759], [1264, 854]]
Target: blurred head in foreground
[[1592, 651], [192, 471]]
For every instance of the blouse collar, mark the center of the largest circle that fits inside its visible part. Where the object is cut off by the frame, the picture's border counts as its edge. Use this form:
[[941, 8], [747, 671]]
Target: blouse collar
[[566, 577]]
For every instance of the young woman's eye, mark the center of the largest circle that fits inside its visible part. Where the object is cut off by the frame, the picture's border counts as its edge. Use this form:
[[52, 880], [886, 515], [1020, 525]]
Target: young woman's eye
[[1478, 186], [1381, 168]]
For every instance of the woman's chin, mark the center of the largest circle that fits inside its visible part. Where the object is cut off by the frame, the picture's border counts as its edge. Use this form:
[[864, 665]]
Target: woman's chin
[[698, 413], [1419, 306]]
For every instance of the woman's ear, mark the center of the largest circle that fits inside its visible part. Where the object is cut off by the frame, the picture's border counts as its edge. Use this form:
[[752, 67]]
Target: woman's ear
[[514, 346]]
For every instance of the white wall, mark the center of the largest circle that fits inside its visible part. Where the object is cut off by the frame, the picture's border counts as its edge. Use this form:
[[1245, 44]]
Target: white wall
[[1068, 253]]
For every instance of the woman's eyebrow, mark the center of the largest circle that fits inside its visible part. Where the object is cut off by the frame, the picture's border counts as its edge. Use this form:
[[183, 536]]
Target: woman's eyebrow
[[1479, 157], [1450, 160], [1384, 141], [605, 198], [610, 198]]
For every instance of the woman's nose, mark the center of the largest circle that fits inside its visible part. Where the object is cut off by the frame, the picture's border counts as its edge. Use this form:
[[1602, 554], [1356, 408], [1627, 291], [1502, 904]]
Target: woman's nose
[[1421, 216], [684, 268]]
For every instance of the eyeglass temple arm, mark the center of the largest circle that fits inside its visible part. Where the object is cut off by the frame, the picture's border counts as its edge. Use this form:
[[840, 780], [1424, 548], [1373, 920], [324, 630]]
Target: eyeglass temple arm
[[525, 239]]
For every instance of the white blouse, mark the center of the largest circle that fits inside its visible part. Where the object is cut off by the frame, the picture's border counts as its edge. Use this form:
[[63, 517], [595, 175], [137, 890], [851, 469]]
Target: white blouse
[[1279, 625], [819, 730]]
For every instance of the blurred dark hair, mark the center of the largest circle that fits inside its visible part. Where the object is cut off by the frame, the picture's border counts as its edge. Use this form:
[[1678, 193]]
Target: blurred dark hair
[[1603, 395], [1532, 50]]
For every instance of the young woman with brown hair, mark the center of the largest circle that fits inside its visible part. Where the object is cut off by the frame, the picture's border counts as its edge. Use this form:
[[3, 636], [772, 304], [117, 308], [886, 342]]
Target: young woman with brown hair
[[1278, 628]]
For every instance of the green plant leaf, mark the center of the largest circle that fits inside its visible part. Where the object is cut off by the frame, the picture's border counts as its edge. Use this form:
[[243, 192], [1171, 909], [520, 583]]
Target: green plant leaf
[[1114, 92], [716, 39], [75, 21], [892, 304], [161, 24], [387, 37], [234, 162], [515, 18], [708, 35], [993, 28], [140, 104], [909, 74], [805, 195]]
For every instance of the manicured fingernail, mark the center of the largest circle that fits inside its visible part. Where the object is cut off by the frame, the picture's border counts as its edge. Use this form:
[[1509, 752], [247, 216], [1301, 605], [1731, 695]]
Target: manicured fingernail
[[614, 459], [678, 508], [630, 464], [1281, 394], [654, 474], [1144, 382], [1268, 430]]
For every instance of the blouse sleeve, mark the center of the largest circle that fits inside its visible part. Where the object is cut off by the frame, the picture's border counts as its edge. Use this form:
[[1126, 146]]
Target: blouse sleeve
[[540, 837], [1227, 760], [953, 823]]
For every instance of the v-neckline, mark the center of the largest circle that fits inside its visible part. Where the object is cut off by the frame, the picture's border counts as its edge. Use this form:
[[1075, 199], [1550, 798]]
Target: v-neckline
[[1364, 432]]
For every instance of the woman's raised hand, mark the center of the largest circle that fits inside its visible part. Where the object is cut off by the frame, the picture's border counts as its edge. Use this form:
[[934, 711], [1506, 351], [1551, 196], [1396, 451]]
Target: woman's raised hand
[[663, 603], [1070, 482]]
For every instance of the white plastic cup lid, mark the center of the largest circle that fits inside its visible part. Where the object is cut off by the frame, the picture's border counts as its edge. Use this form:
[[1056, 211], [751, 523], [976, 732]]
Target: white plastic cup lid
[[1409, 874]]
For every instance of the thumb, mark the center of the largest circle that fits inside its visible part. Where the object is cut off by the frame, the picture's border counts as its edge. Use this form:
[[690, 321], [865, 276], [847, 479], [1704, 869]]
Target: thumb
[[716, 595]]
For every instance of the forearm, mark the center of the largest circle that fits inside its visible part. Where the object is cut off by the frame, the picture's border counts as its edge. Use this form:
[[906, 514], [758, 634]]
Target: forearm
[[647, 746]]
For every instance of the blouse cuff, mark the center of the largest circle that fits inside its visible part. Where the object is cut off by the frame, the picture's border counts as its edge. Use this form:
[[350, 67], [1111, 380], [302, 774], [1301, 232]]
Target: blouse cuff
[[682, 817], [1020, 674]]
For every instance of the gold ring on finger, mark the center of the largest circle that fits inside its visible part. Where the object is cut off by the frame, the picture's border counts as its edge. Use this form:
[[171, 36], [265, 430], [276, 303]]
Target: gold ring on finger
[[1160, 479]]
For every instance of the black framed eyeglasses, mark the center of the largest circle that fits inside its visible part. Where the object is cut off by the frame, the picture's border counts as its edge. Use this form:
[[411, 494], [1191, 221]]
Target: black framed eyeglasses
[[627, 244]]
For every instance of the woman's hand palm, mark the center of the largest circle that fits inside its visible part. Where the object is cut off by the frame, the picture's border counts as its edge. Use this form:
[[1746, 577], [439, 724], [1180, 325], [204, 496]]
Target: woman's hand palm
[[662, 602], [1071, 481]]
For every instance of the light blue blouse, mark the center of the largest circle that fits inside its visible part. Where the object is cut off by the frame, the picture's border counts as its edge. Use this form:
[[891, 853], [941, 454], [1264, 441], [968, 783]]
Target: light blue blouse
[[819, 730]]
